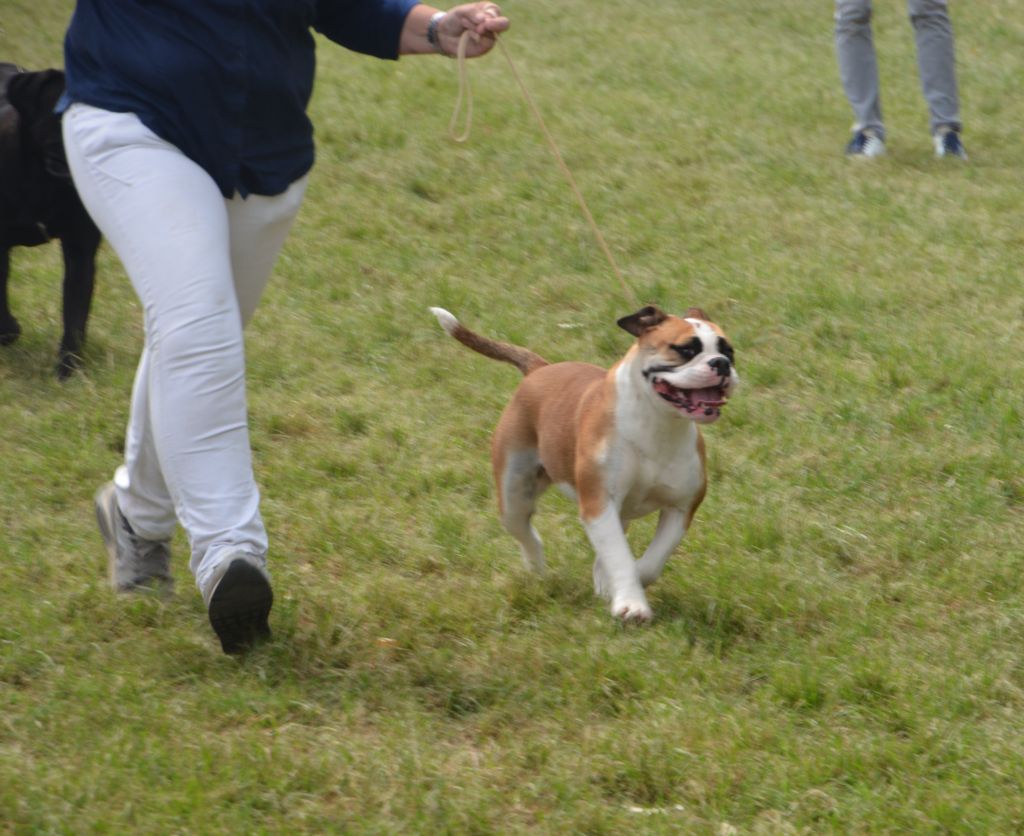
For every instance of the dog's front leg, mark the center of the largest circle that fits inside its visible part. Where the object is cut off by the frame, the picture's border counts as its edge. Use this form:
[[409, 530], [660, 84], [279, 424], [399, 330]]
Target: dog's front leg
[[9, 328], [615, 573], [79, 249], [670, 530]]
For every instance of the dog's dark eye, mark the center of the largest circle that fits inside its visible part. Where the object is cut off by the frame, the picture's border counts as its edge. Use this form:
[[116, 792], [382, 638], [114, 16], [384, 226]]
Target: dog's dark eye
[[725, 349], [689, 350]]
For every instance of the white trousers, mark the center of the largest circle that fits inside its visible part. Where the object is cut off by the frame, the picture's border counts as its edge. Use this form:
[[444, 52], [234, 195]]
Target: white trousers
[[199, 263]]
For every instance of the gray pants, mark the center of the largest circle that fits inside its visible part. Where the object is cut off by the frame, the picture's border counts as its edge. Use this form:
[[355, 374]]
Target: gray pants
[[858, 66]]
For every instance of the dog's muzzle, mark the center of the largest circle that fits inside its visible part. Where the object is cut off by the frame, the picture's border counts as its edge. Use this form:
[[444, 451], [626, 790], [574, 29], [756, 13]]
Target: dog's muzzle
[[702, 405]]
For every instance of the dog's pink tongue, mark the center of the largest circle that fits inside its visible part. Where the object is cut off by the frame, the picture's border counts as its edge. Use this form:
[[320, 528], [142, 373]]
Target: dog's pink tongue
[[711, 397]]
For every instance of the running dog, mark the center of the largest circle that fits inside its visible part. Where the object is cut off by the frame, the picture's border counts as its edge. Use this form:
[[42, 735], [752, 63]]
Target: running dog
[[623, 442]]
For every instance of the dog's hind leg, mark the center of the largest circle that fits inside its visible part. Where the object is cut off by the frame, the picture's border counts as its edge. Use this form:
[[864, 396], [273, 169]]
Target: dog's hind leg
[[521, 480], [9, 327], [670, 530]]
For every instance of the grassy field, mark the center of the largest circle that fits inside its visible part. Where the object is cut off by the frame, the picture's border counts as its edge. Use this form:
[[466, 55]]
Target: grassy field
[[838, 642]]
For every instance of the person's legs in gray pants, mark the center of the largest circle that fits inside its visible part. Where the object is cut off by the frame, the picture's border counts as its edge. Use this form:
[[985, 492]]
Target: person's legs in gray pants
[[858, 65], [933, 34]]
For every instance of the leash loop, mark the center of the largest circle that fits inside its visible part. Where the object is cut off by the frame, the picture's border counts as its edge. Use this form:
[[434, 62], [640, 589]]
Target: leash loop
[[465, 94]]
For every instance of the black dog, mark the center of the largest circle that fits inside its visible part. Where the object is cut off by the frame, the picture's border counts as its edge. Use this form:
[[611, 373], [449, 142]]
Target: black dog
[[38, 202]]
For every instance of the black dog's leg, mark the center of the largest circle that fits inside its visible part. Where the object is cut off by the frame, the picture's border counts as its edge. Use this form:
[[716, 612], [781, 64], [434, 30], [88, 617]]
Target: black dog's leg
[[79, 248], [9, 328]]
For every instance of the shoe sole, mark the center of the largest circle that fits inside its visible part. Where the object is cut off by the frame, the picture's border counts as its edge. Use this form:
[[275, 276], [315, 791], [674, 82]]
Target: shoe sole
[[240, 607]]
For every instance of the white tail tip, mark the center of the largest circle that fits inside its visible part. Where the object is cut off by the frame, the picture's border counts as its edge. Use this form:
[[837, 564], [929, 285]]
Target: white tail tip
[[448, 322]]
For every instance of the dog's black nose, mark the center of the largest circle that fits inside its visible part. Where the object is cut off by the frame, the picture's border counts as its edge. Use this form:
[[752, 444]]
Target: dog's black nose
[[720, 365]]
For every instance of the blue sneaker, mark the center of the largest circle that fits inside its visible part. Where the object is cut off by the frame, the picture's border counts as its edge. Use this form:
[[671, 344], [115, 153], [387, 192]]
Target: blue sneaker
[[866, 144], [948, 144]]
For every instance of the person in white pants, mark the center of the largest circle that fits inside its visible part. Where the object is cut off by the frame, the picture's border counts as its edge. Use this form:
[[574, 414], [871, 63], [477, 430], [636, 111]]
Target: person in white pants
[[197, 206], [198, 262]]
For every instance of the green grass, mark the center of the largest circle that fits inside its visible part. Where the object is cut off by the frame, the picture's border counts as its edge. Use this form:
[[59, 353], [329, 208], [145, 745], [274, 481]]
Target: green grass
[[838, 641]]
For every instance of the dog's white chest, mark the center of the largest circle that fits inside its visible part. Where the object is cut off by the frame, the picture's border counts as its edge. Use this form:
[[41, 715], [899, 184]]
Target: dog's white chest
[[648, 483], [653, 461]]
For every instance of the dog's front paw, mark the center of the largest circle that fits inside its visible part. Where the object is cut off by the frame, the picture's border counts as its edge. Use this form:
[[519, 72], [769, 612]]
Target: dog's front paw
[[632, 610], [67, 364], [10, 330]]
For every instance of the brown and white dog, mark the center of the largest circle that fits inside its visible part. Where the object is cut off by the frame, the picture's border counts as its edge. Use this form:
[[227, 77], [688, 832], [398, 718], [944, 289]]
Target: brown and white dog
[[623, 442]]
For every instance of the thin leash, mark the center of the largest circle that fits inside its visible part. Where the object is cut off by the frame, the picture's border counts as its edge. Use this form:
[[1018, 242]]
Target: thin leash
[[466, 94]]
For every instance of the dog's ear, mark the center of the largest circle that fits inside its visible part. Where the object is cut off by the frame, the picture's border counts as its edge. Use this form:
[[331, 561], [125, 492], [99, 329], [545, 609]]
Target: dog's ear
[[35, 95], [696, 313], [643, 320]]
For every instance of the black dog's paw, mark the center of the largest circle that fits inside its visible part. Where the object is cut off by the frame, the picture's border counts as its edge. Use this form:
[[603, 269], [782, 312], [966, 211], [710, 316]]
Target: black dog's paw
[[10, 330], [67, 364]]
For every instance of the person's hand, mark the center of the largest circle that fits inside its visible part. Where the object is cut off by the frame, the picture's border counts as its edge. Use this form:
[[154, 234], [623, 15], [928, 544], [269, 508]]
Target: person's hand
[[482, 20]]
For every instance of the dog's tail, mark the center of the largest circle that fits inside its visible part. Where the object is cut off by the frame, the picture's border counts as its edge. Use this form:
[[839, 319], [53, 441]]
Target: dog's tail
[[522, 358]]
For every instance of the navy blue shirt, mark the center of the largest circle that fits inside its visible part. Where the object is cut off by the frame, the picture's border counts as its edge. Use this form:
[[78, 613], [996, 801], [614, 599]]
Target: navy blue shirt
[[226, 81]]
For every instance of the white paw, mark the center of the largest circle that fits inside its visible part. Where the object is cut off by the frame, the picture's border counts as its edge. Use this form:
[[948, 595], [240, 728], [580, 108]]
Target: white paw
[[632, 610]]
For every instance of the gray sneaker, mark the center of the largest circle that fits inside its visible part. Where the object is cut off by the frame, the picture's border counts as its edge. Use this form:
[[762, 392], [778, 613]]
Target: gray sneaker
[[238, 598], [134, 562]]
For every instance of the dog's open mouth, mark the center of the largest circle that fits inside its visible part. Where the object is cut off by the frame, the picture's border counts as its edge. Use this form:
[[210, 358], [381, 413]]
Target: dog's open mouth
[[703, 405]]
